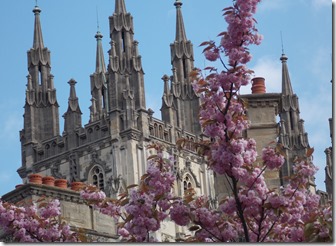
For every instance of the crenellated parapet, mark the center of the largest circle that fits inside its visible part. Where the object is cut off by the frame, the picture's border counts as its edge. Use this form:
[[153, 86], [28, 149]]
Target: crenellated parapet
[[160, 130]]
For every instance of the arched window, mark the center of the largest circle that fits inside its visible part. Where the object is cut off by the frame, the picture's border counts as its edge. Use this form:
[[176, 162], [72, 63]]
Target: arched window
[[187, 183], [156, 130], [97, 177], [160, 132]]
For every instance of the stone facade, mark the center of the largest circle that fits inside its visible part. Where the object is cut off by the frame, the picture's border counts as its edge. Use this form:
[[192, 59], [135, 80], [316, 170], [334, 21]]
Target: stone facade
[[110, 150], [262, 112]]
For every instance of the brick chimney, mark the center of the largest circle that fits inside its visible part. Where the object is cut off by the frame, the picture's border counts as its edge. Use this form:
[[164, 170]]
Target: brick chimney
[[258, 85]]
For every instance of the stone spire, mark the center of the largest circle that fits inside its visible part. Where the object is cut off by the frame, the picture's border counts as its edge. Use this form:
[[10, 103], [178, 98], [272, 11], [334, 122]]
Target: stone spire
[[290, 106], [168, 110], [292, 133], [73, 116], [286, 82], [41, 117], [185, 101], [100, 61], [120, 6], [125, 66], [98, 80], [73, 105], [180, 31], [38, 39]]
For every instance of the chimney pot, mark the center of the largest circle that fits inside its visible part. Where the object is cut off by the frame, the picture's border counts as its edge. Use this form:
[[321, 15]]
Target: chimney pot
[[258, 85]]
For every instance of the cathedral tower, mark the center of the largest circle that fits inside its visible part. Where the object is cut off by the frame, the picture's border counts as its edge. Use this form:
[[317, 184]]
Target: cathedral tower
[[41, 118], [179, 101], [126, 91]]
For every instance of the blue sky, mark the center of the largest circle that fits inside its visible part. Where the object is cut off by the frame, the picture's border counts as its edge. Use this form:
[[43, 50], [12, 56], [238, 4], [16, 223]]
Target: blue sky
[[69, 27]]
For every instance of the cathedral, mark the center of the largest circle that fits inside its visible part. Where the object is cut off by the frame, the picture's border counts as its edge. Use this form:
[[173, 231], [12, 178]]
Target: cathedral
[[109, 150]]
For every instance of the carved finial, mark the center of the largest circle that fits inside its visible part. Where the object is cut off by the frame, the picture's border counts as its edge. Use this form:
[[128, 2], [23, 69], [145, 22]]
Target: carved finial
[[36, 9], [178, 3]]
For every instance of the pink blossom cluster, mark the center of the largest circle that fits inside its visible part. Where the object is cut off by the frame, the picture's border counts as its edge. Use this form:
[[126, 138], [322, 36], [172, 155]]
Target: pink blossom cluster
[[209, 224], [211, 55], [217, 124], [161, 179], [241, 31], [232, 157], [305, 169], [296, 208], [91, 193], [272, 159], [180, 213], [35, 223]]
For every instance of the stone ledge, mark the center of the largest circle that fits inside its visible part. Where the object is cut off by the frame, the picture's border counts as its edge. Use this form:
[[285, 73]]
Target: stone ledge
[[41, 190]]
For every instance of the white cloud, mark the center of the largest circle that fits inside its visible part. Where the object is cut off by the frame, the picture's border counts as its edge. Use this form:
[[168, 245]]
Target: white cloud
[[270, 70]]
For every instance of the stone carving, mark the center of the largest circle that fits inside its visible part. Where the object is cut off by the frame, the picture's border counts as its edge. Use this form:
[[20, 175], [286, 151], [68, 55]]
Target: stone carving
[[115, 185]]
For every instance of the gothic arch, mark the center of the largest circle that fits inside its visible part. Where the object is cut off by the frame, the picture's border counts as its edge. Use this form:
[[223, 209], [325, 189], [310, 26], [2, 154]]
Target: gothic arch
[[160, 132], [96, 176], [96, 162], [188, 182], [155, 130], [188, 171]]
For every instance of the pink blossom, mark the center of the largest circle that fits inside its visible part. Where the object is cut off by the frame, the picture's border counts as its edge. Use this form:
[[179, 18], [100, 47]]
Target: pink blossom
[[211, 55], [271, 159], [123, 232], [179, 213]]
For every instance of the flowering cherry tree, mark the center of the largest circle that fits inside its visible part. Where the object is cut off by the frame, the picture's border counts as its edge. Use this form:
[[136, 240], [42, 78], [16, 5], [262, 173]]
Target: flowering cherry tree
[[251, 212]]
